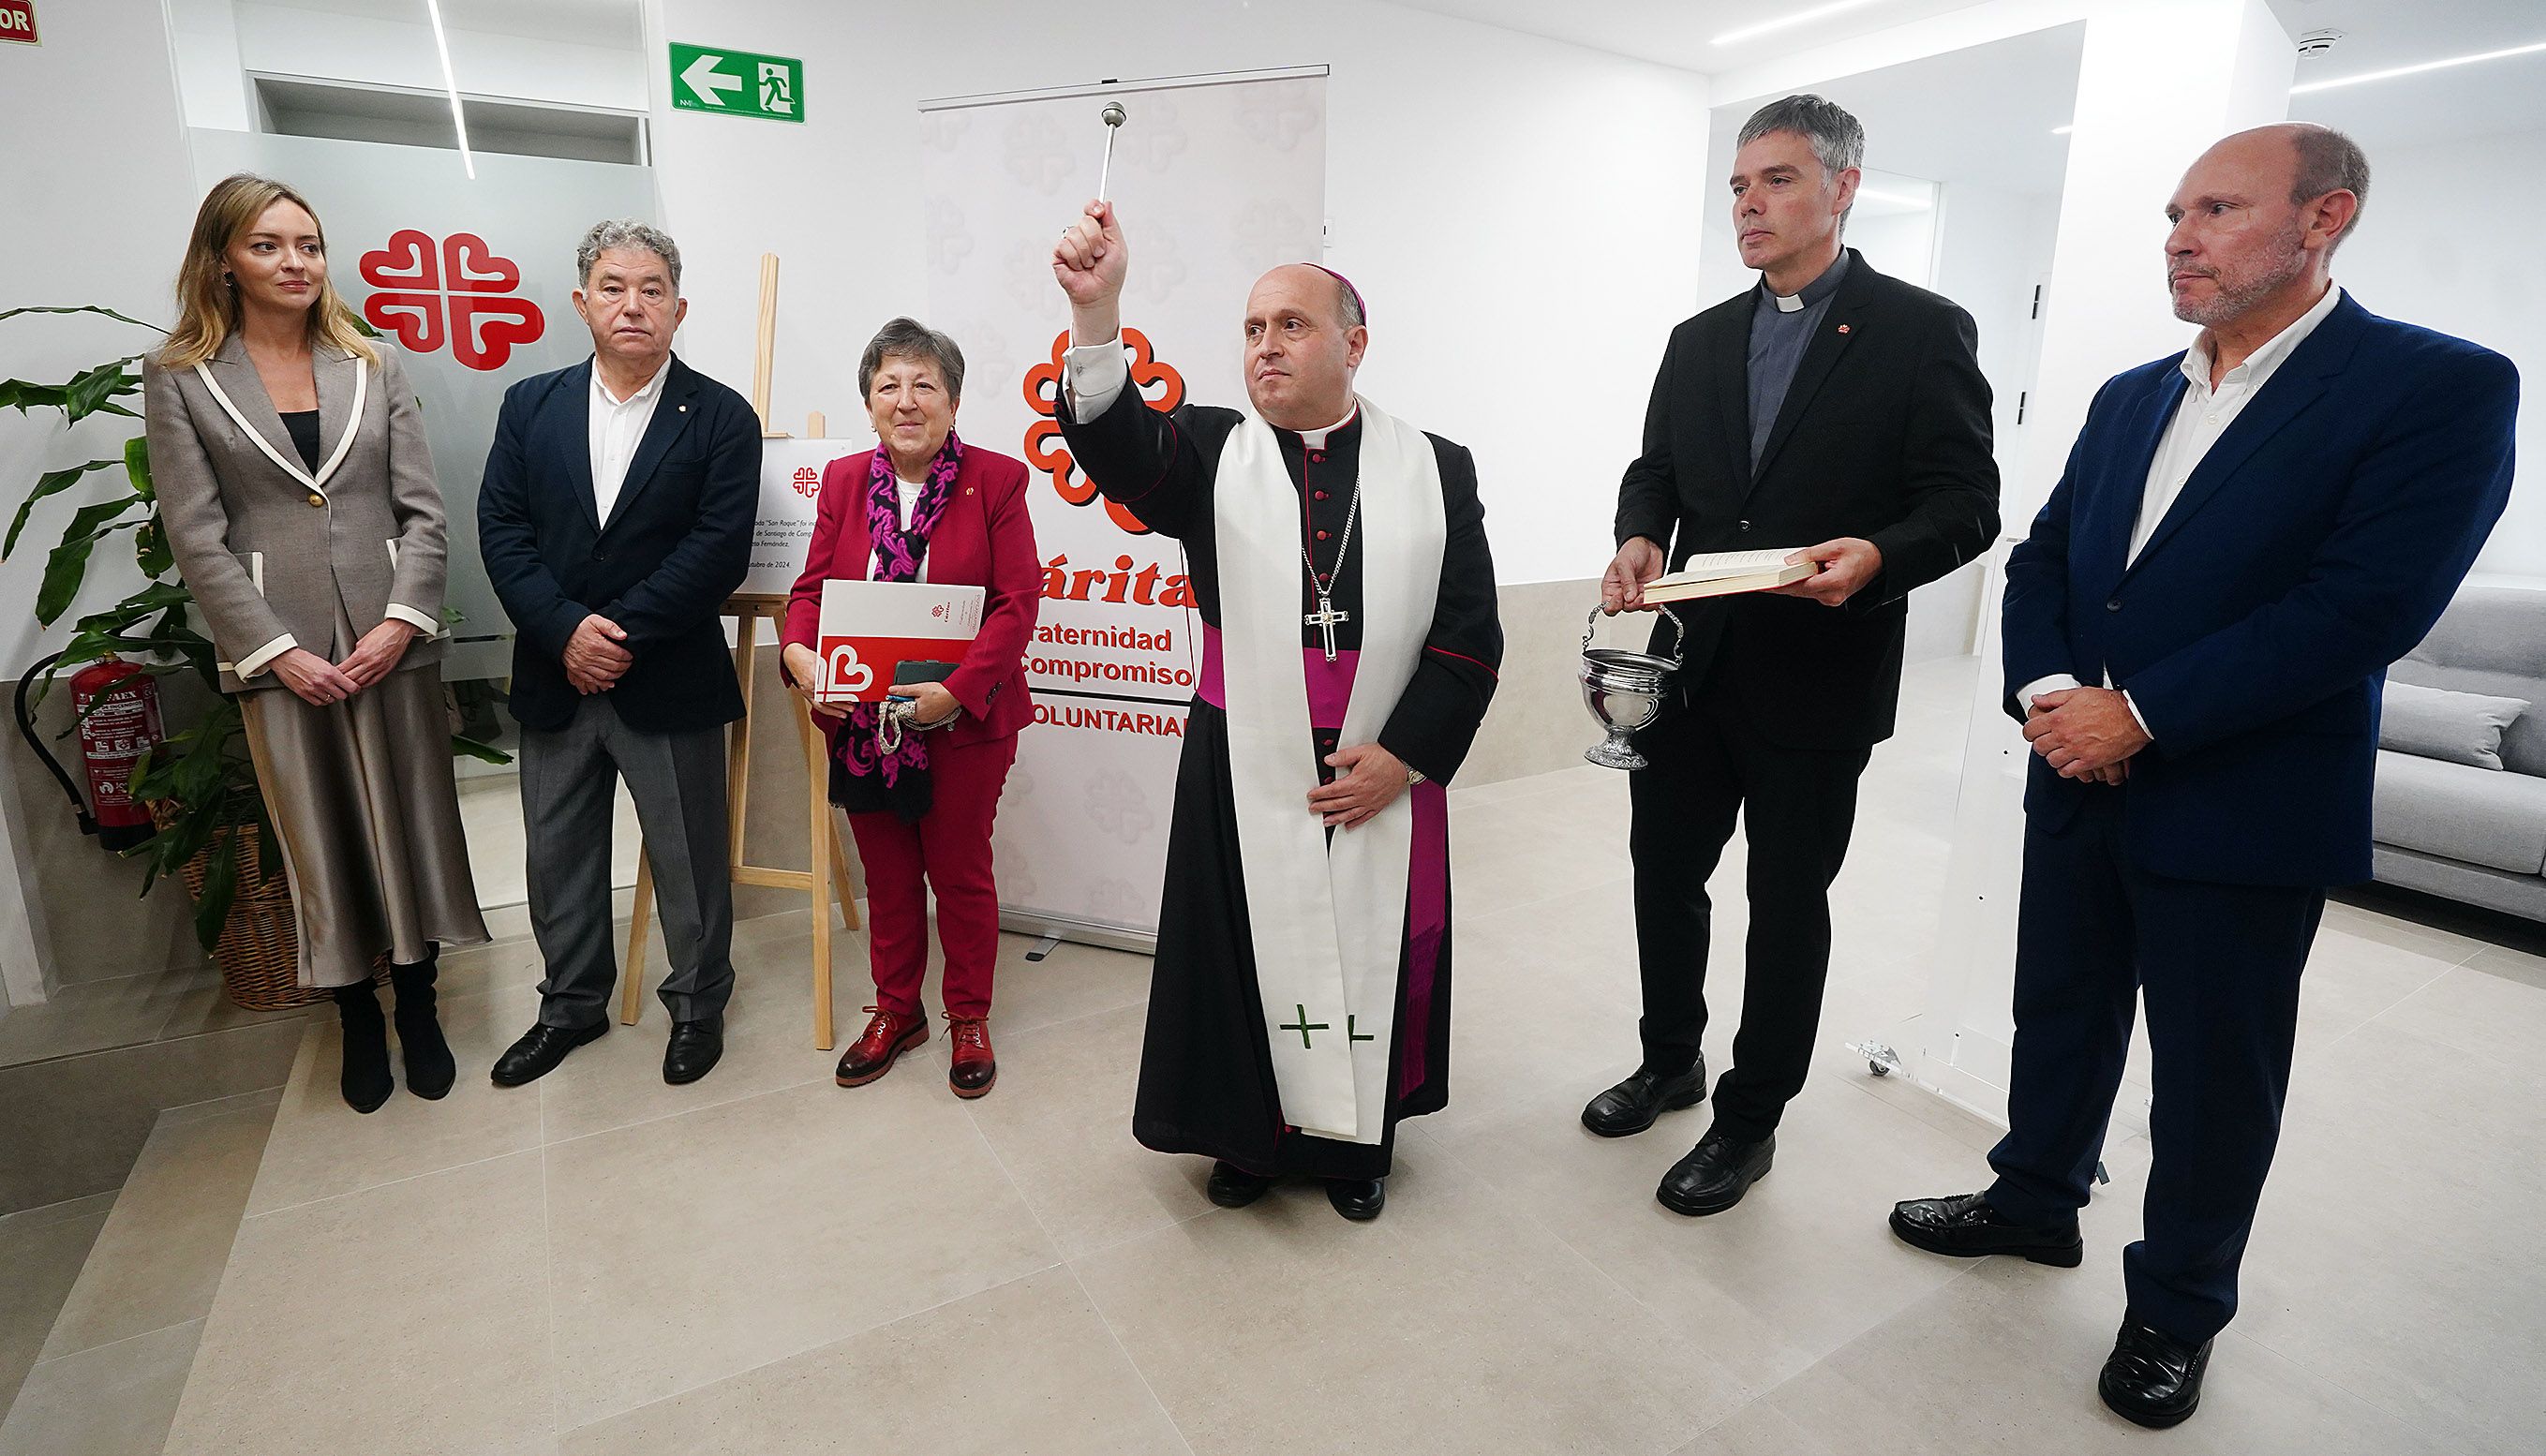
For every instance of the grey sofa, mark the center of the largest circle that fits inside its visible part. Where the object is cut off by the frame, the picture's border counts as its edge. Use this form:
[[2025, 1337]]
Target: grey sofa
[[2474, 834]]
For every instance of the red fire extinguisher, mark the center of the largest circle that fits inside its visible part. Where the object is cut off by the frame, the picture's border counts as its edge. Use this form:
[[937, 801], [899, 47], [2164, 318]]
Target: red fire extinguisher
[[114, 735]]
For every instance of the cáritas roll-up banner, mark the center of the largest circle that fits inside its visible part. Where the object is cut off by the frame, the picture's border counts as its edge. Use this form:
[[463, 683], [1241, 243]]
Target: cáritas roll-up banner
[[1216, 178]]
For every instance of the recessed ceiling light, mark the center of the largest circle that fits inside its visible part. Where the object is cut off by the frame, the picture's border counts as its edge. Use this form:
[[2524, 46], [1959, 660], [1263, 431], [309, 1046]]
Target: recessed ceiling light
[[1788, 22], [2416, 70], [451, 84]]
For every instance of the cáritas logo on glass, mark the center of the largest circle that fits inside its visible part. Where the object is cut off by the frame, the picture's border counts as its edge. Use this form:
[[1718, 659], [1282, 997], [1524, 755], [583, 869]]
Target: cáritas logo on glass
[[458, 290]]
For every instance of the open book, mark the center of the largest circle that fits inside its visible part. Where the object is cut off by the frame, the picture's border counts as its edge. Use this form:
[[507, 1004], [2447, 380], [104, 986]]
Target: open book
[[1726, 572]]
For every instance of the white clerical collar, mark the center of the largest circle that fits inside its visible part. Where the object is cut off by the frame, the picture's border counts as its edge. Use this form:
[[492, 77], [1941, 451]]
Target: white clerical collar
[[1317, 438], [1823, 284]]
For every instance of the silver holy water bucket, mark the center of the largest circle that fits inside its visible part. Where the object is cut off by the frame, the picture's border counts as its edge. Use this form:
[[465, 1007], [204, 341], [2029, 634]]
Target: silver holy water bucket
[[1624, 691]]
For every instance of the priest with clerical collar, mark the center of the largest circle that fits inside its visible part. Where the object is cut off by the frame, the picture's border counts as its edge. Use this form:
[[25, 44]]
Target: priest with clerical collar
[[1301, 1001]]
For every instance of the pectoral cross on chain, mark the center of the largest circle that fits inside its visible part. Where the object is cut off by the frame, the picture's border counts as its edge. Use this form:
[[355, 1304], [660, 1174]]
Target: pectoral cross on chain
[[1325, 619]]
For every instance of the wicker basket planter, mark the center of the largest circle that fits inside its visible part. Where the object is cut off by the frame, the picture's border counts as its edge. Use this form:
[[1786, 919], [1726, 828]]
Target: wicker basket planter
[[259, 952]]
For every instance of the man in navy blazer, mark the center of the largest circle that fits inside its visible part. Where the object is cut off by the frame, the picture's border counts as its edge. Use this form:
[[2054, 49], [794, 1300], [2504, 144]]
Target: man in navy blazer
[[616, 518], [2196, 634]]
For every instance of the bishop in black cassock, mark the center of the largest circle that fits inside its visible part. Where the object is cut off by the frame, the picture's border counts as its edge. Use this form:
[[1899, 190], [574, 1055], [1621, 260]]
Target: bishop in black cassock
[[1299, 1005]]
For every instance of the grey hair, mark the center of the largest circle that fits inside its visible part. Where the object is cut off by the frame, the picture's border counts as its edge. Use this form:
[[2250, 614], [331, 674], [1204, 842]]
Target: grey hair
[[908, 338], [2330, 162], [1837, 138], [629, 234], [1348, 305]]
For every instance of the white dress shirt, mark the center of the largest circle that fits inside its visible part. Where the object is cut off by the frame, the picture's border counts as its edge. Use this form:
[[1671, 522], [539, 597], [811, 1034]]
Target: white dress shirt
[[909, 492], [618, 427], [1097, 373], [2205, 414]]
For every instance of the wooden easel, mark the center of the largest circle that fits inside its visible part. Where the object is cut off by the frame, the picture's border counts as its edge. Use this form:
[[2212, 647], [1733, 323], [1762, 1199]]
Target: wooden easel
[[827, 874]]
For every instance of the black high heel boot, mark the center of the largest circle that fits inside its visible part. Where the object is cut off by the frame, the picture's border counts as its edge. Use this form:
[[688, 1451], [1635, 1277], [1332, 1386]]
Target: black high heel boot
[[366, 1079], [430, 1069]]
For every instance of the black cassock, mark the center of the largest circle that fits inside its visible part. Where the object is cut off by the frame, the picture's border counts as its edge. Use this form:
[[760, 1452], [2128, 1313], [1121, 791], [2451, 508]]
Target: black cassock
[[1207, 1082]]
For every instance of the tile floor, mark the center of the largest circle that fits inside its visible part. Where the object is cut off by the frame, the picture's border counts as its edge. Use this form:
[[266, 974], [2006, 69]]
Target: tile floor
[[765, 1263]]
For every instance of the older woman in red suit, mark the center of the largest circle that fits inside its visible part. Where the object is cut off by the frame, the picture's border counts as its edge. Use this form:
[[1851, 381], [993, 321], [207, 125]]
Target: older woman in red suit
[[924, 506]]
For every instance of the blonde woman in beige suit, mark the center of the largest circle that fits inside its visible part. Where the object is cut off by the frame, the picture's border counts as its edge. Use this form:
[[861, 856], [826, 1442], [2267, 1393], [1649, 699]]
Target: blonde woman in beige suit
[[302, 509]]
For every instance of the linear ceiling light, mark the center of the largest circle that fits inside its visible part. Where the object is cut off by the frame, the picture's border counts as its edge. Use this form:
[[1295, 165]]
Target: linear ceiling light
[[2064, 130], [2416, 70], [1788, 22], [451, 84]]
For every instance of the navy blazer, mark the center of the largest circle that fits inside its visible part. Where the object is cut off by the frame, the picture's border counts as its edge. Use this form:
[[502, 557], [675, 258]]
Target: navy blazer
[[677, 544], [2317, 542]]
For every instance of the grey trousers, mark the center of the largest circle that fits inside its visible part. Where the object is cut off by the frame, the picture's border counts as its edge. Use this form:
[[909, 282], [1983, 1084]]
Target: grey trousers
[[678, 783]]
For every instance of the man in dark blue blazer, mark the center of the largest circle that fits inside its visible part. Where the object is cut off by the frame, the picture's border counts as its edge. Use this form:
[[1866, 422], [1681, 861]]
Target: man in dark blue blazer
[[2196, 634], [616, 518]]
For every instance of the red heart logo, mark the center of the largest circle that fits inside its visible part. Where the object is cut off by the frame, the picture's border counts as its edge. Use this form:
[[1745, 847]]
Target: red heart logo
[[406, 263], [476, 268], [485, 330], [416, 318]]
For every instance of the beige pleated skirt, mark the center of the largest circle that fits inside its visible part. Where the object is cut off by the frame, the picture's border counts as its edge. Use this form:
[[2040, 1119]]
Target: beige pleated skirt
[[368, 810]]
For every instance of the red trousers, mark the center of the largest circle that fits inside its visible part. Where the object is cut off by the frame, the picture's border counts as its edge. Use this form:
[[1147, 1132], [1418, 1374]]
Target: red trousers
[[949, 852]]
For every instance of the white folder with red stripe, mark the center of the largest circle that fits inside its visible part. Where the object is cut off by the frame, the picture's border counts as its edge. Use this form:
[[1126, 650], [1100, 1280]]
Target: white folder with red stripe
[[869, 628]]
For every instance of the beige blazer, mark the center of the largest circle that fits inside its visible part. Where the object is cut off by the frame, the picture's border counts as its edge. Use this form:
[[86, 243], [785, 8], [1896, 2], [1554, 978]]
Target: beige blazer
[[270, 548]]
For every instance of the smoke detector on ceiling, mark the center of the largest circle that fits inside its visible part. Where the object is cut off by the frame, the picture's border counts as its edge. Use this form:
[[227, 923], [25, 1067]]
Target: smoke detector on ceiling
[[2318, 43]]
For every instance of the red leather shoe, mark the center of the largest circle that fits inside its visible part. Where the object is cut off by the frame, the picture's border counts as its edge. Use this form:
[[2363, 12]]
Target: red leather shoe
[[974, 1071], [888, 1035]]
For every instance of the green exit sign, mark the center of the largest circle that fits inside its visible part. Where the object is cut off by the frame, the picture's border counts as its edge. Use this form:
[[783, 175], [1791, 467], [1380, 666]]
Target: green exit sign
[[737, 83]]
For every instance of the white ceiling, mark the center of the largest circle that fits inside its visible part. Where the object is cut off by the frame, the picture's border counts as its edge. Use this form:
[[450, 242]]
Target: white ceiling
[[2480, 100], [1681, 32], [1904, 122], [617, 24], [2031, 82]]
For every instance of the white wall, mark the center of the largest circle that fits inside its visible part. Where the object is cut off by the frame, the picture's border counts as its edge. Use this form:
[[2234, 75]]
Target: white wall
[[211, 83], [1990, 247], [1995, 246], [280, 39], [1902, 245], [2477, 284], [73, 240], [1521, 214]]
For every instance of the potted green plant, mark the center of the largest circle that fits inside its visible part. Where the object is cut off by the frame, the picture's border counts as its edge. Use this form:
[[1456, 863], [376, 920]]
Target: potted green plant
[[213, 830]]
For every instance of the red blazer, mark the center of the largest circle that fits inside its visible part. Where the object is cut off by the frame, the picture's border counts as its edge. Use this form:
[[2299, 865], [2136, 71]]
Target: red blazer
[[984, 538]]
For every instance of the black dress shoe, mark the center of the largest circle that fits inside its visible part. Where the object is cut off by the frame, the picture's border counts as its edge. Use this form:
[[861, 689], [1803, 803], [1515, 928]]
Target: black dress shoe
[[1358, 1199], [1232, 1186], [1631, 1106], [2151, 1378], [693, 1051], [540, 1050], [1716, 1174], [1968, 1227]]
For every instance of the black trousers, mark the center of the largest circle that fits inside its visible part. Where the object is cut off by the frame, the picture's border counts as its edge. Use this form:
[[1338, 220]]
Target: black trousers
[[1797, 806], [2219, 968]]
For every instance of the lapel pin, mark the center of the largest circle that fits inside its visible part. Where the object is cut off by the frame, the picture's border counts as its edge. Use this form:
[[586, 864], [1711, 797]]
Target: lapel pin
[[1843, 328], [685, 409]]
